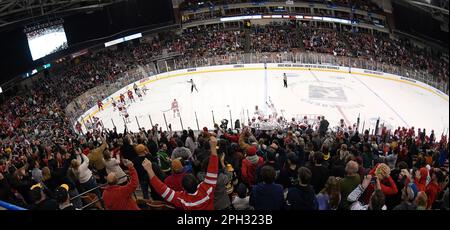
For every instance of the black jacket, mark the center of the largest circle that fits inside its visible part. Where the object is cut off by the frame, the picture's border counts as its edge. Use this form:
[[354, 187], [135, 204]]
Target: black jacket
[[301, 198], [319, 177]]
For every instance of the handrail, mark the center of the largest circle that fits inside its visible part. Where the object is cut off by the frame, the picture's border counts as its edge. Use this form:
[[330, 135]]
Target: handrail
[[9, 206], [92, 189]]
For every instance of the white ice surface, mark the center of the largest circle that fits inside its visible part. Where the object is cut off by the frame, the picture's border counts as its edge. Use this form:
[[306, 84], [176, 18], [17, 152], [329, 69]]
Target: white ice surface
[[396, 103]]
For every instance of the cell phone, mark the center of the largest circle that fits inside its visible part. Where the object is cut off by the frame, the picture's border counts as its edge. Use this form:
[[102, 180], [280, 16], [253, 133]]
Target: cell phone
[[373, 180]]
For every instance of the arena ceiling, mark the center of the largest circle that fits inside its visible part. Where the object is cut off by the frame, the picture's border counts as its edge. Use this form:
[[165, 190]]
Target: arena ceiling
[[16, 11]]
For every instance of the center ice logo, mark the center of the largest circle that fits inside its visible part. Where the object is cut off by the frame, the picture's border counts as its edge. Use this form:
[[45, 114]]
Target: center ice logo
[[324, 93]]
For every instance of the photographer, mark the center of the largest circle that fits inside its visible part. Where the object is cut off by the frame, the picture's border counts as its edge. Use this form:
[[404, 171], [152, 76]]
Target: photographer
[[377, 198]]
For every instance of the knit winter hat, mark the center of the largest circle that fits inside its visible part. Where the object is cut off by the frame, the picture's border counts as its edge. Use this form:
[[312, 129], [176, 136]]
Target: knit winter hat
[[251, 151], [141, 149], [177, 166]]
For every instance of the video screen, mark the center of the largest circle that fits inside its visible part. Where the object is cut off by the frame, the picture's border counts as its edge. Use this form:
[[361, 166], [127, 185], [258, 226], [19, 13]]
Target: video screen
[[43, 42]]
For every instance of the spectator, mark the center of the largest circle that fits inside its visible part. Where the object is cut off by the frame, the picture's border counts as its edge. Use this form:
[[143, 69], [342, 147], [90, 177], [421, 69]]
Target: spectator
[[409, 194], [40, 200], [330, 197], [174, 181], [319, 172], [434, 187], [190, 141], [377, 198], [142, 154], [113, 166], [96, 158], [163, 159], [249, 165], [36, 173], [119, 197], [221, 198], [421, 201], [367, 156], [289, 174], [420, 179], [302, 197], [181, 152], [267, 195], [349, 182], [63, 198], [79, 168], [323, 126], [401, 177], [242, 201], [387, 184], [196, 196]]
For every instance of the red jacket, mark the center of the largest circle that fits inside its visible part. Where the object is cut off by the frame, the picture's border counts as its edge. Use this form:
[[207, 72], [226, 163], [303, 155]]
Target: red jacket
[[432, 191], [174, 181], [249, 170], [422, 183], [202, 199], [118, 197], [387, 186]]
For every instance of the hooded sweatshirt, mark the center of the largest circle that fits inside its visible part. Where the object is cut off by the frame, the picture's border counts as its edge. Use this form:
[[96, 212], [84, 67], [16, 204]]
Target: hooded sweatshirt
[[249, 165], [422, 182]]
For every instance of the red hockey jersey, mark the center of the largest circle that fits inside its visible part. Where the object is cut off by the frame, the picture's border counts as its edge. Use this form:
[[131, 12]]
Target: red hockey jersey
[[202, 199]]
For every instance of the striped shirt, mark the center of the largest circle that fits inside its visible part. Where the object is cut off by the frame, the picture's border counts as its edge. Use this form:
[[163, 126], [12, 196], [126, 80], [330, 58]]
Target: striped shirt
[[202, 199]]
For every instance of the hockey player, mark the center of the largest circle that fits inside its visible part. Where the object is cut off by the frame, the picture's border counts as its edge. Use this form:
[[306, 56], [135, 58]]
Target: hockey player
[[193, 86], [144, 89], [130, 96], [259, 113], [135, 87], [175, 108], [125, 115], [100, 104], [304, 123], [293, 124], [122, 98], [139, 94], [97, 122], [285, 80], [272, 107], [120, 107], [114, 104]]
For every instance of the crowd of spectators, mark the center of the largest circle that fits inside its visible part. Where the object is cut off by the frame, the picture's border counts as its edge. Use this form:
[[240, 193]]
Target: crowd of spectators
[[43, 161], [298, 168], [356, 4]]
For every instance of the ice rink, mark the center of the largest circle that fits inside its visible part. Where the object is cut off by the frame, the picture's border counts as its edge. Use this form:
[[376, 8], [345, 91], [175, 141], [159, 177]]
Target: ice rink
[[334, 94]]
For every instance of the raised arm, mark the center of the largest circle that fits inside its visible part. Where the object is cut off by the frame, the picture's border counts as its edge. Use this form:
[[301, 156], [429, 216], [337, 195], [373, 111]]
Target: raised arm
[[358, 191], [213, 166], [242, 140], [134, 182], [162, 189]]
